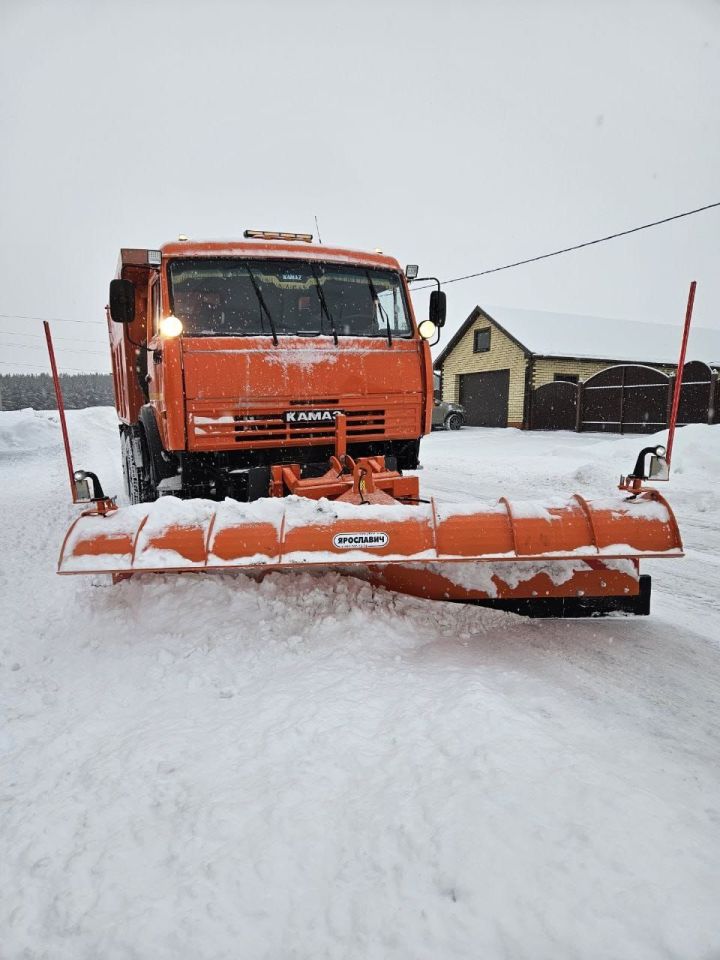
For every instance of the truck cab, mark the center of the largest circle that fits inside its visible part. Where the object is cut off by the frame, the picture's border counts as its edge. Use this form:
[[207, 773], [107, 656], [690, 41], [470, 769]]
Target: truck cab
[[231, 357]]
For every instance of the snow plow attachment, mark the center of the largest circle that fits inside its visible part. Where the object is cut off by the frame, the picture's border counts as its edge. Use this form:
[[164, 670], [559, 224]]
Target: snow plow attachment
[[572, 557]]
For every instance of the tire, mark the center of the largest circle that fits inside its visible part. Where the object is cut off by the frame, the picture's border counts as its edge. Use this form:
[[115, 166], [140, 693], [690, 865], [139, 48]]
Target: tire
[[159, 465], [135, 457], [406, 453], [453, 421]]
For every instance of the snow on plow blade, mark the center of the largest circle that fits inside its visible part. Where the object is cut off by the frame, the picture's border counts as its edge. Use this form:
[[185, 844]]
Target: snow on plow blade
[[506, 553]]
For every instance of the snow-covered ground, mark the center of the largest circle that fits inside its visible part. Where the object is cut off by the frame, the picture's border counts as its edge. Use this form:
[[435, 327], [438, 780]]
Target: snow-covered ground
[[206, 767]]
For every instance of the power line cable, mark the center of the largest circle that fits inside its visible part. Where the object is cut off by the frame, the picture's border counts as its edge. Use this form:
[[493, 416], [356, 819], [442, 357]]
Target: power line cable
[[40, 346], [46, 368], [20, 316], [34, 336], [577, 246], [467, 276]]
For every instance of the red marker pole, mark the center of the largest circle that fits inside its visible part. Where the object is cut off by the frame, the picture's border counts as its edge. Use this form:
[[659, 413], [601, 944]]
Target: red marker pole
[[61, 410], [679, 376]]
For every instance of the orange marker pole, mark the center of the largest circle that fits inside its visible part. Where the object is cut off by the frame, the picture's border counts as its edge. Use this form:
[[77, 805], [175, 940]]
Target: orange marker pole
[[679, 376], [61, 411]]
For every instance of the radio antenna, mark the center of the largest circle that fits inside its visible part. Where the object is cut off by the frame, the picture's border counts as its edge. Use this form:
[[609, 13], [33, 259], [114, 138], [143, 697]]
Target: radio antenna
[[317, 227]]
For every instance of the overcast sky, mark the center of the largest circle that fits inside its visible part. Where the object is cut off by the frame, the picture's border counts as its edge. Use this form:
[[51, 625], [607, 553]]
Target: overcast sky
[[459, 135]]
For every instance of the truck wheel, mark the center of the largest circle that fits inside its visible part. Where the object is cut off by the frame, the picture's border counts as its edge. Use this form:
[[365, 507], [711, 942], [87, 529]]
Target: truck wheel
[[406, 453], [160, 465], [138, 483], [453, 421]]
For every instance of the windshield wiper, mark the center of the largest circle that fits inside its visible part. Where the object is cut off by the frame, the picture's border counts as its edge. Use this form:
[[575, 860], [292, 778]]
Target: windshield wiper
[[261, 301], [379, 306], [323, 302]]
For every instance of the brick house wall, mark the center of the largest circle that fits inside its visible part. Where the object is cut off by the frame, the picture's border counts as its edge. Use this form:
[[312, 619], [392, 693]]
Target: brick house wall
[[545, 368], [504, 354]]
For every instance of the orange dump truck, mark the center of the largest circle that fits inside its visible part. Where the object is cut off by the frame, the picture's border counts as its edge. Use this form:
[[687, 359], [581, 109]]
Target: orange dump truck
[[272, 395], [231, 357]]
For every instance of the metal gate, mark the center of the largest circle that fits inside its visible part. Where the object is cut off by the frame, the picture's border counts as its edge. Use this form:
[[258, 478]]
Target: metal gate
[[554, 406], [625, 399], [696, 393]]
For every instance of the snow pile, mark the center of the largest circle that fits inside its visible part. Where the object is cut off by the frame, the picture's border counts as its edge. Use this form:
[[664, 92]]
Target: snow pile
[[695, 456], [22, 431], [212, 766], [694, 473]]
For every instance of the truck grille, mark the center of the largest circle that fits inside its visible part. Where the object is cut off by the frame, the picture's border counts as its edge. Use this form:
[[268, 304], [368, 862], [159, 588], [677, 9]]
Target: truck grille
[[227, 429], [361, 424]]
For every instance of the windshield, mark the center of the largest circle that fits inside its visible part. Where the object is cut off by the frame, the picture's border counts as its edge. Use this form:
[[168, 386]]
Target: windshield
[[288, 297]]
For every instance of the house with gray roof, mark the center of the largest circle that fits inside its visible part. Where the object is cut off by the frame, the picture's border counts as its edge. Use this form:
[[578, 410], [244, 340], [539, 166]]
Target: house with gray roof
[[500, 355]]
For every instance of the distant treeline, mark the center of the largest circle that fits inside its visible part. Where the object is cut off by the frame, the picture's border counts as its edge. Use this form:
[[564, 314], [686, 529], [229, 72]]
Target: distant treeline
[[19, 390]]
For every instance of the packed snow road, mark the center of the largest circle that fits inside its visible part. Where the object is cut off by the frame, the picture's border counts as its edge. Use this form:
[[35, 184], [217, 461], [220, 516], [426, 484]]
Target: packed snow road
[[209, 767]]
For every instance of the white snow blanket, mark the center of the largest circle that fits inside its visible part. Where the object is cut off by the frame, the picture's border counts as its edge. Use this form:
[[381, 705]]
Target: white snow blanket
[[206, 767]]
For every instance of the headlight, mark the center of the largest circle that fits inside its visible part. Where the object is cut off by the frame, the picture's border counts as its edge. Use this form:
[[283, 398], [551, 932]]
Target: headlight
[[170, 326], [427, 329]]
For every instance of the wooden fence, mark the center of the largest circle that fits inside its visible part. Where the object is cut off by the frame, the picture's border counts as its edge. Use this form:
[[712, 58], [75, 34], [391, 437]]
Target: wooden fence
[[627, 398]]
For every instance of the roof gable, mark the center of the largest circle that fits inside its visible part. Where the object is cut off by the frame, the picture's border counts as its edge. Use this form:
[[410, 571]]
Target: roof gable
[[477, 314]]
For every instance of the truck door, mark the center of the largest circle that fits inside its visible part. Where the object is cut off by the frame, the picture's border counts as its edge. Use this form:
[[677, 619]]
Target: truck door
[[153, 353], [164, 375]]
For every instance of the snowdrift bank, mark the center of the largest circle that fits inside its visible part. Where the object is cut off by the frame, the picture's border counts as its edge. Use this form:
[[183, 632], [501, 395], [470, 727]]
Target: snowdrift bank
[[695, 457], [25, 431], [22, 431]]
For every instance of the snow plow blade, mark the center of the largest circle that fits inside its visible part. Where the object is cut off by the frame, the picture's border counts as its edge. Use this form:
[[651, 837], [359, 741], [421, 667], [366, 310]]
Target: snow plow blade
[[574, 557]]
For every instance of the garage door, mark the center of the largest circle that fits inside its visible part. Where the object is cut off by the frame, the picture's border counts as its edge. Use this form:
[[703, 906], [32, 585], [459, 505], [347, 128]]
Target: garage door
[[485, 398]]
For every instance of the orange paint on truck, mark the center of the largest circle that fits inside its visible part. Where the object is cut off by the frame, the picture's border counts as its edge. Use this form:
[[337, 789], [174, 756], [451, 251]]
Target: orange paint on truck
[[225, 394]]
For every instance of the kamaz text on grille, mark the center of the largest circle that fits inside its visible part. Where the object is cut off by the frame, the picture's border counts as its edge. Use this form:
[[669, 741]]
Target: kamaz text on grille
[[311, 416]]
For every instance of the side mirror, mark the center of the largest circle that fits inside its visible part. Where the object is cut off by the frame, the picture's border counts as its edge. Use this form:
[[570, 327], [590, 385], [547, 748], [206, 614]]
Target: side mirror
[[438, 308], [659, 469], [122, 301], [88, 488], [82, 491]]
